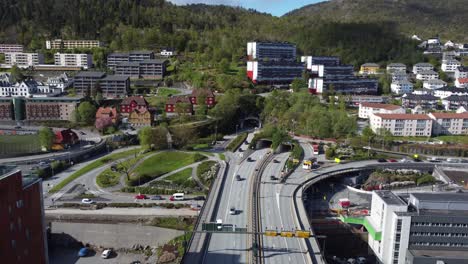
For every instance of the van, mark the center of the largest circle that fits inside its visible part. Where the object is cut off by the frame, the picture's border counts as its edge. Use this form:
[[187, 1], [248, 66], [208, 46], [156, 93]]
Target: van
[[177, 197]]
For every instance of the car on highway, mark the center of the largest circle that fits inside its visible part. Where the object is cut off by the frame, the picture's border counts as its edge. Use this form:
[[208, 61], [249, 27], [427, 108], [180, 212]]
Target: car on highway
[[232, 211], [17, 127], [141, 197], [83, 252], [106, 253], [392, 160], [195, 207], [157, 197], [405, 161], [199, 198], [382, 160], [275, 161], [87, 201], [238, 177], [273, 178], [249, 159], [417, 160], [219, 223], [177, 197]]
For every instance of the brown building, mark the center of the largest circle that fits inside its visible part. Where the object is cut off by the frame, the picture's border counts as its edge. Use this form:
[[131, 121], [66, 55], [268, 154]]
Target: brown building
[[108, 112], [22, 226], [6, 109], [51, 108], [131, 103], [185, 101], [203, 93], [140, 118]]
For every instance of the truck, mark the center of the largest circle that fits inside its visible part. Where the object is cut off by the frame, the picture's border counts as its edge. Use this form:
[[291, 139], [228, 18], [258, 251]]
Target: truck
[[316, 149]]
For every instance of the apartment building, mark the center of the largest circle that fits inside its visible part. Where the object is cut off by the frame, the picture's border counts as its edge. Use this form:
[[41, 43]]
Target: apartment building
[[147, 69], [23, 228], [86, 80], [84, 61], [274, 71], [359, 99], [351, 85], [23, 89], [407, 125], [420, 228], [399, 76], [396, 67], [332, 71], [369, 68], [135, 56], [11, 48], [434, 84], [401, 87], [449, 123], [271, 51], [311, 61], [24, 60], [365, 109], [461, 72], [115, 86], [449, 55], [453, 102], [450, 65], [427, 75], [419, 67], [426, 101], [6, 109], [72, 44], [448, 91], [50, 108], [131, 69]]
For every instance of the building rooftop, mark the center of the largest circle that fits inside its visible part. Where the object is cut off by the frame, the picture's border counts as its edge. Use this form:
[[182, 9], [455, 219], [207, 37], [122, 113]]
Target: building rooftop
[[462, 80], [382, 106], [429, 72], [141, 52], [402, 82], [95, 74], [463, 68], [156, 61], [453, 89], [179, 99], [420, 97], [451, 115], [370, 64], [129, 64], [140, 100], [435, 81], [456, 98], [8, 170], [390, 198], [441, 197], [423, 64], [404, 116], [441, 252], [396, 64], [63, 99], [115, 78]]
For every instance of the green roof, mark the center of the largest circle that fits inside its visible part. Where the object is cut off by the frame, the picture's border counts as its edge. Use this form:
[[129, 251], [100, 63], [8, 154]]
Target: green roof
[[376, 235]]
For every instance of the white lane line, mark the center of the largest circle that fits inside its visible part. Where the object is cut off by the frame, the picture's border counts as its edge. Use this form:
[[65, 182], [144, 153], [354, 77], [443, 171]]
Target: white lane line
[[236, 169]]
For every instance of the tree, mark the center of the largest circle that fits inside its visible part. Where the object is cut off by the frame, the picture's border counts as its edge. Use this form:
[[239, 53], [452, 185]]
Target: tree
[[103, 123], [341, 102], [87, 112], [368, 135], [298, 84], [16, 74], [224, 65], [46, 137], [145, 135], [418, 85]]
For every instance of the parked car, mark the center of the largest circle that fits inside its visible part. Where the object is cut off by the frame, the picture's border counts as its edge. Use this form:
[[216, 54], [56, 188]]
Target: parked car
[[87, 201], [238, 177], [157, 197], [83, 252], [232, 211], [199, 198], [106, 253], [177, 197], [273, 178], [382, 160], [141, 197], [392, 160], [249, 159], [195, 207], [275, 161]]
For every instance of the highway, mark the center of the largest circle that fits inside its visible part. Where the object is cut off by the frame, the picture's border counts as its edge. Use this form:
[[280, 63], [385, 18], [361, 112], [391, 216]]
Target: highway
[[233, 248]]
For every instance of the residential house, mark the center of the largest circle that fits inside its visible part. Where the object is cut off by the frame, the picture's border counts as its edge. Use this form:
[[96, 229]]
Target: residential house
[[365, 109], [183, 101], [140, 118], [449, 123], [399, 76], [426, 101], [167, 52], [66, 137], [401, 87], [108, 112], [369, 68], [449, 55], [203, 93], [408, 125], [434, 41], [461, 72], [449, 44], [419, 67], [450, 65], [129, 104], [427, 75], [461, 83], [434, 84], [61, 82], [448, 91], [396, 67], [454, 102]]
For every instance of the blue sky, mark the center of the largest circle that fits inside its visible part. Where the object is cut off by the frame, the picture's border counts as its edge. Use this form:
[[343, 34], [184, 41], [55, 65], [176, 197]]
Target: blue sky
[[274, 7]]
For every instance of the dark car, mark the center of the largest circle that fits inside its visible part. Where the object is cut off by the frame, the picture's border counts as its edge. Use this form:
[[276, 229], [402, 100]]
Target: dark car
[[273, 178], [17, 127], [249, 159], [157, 197], [199, 198], [141, 197], [275, 161], [382, 160], [417, 160], [238, 177]]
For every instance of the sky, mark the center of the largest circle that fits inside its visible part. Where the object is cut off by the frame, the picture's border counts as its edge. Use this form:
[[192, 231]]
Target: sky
[[274, 7]]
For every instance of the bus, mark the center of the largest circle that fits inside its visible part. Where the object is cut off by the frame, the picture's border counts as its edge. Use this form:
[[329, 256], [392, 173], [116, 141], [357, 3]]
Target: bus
[[316, 149]]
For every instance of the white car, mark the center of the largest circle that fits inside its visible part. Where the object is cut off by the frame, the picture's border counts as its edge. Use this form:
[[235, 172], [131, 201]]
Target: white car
[[232, 211], [87, 201], [106, 253]]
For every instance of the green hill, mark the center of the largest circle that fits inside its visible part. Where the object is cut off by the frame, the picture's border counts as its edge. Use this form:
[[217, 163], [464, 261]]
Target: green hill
[[424, 18]]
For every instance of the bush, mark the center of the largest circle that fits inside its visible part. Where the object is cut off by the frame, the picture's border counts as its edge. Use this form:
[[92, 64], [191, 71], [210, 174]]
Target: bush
[[425, 179], [237, 142]]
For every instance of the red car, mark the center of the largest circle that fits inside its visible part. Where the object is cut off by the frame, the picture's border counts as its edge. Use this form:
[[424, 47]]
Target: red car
[[392, 160], [141, 197]]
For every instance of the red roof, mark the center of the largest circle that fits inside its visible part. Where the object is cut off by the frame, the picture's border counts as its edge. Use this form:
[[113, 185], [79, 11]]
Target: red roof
[[178, 99], [382, 106], [140, 100], [106, 112], [450, 115], [404, 116], [66, 136], [463, 80], [203, 92]]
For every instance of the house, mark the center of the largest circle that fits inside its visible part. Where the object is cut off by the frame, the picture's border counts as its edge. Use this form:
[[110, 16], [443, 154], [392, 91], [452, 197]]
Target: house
[[461, 72], [182, 101], [140, 118], [434, 84], [365, 109], [419, 67], [434, 41], [433, 50], [415, 37], [449, 123], [203, 93], [131, 103], [407, 125], [395, 67], [449, 44], [108, 112], [401, 87], [454, 102], [61, 82], [369, 68], [449, 55], [24, 60], [82, 60], [427, 75], [450, 65], [426, 101], [66, 137], [448, 91], [461, 83], [399, 76]]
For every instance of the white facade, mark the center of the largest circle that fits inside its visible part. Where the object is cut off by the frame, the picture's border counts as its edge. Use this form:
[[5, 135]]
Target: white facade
[[449, 44], [167, 53], [450, 65], [433, 41], [74, 60], [72, 44], [366, 109], [8, 48], [24, 60], [408, 125], [25, 89], [399, 76], [427, 75], [449, 123], [422, 67], [61, 82], [448, 91], [434, 84], [461, 72], [394, 67], [401, 87]]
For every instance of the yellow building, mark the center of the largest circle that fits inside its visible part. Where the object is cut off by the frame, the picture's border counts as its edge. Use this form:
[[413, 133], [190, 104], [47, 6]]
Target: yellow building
[[369, 68], [140, 118]]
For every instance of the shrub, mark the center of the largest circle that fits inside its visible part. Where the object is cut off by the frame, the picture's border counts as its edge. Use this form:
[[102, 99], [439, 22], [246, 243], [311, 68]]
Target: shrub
[[237, 142]]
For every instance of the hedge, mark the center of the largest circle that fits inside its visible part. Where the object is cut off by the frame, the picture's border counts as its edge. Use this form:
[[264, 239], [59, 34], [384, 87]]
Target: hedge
[[233, 145]]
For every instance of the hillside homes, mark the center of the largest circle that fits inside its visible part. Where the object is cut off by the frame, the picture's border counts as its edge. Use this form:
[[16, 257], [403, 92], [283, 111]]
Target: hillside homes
[[365, 109], [408, 125]]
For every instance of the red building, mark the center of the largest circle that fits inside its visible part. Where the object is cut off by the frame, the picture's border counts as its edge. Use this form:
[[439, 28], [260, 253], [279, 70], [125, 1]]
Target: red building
[[203, 93], [22, 225], [131, 103], [65, 137], [108, 112], [173, 101]]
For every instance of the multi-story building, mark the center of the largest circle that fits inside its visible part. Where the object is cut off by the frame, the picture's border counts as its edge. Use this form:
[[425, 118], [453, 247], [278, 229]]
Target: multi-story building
[[401, 87], [399, 76], [419, 67], [9, 48], [116, 58], [365, 109], [369, 68], [84, 61], [140, 118], [461, 72], [115, 86], [356, 100], [24, 60], [23, 89], [274, 71], [271, 51], [84, 81], [50, 108], [207, 94], [22, 224], [427, 75], [449, 123], [311, 61], [6, 109], [333, 71], [396, 67], [448, 91], [420, 229], [72, 44], [461, 83], [350, 85], [131, 69], [449, 55], [450, 65], [426, 101], [434, 84], [407, 125], [131, 103], [453, 102], [147, 69]]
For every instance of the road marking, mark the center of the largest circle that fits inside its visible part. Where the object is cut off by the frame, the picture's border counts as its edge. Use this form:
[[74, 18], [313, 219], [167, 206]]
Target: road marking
[[236, 169]]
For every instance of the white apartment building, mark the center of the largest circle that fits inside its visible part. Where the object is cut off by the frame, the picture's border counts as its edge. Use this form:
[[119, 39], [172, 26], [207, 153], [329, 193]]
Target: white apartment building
[[395, 67], [25, 89], [399, 76], [365, 109], [74, 60], [427, 75], [422, 67], [407, 125], [450, 65], [72, 44], [24, 60], [434, 84], [401, 87], [449, 123], [461, 72], [8, 48], [448, 91]]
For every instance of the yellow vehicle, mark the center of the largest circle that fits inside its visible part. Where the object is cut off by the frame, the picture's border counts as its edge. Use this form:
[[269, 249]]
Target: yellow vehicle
[[307, 164]]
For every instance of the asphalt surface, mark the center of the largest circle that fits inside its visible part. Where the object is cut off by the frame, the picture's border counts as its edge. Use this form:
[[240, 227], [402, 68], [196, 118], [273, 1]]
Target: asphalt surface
[[234, 248]]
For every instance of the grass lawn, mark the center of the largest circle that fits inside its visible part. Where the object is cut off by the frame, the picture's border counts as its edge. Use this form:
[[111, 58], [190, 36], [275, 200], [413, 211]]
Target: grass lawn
[[19, 144], [182, 178], [455, 139], [222, 156], [91, 166], [165, 92]]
